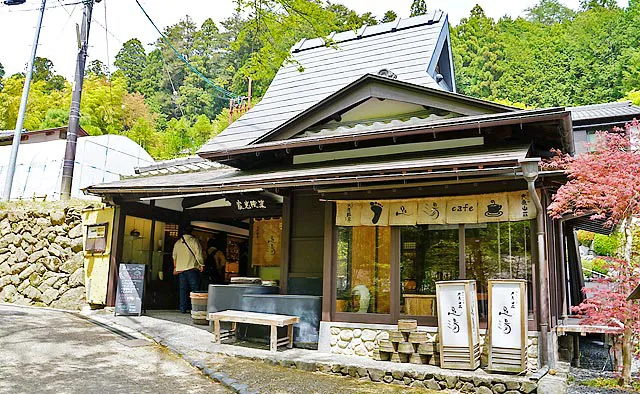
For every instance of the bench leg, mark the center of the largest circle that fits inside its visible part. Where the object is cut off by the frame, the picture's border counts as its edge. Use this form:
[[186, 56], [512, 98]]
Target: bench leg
[[216, 329], [234, 328], [274, 339], [290, 334]]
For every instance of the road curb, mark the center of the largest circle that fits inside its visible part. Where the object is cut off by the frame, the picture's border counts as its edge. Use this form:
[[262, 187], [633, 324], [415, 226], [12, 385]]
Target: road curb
[[220, 377]]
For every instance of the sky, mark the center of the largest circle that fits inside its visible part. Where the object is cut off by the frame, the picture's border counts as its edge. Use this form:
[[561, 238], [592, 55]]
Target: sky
[[124, 20]]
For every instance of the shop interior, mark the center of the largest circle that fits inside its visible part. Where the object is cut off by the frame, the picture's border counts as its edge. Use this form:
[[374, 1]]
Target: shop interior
[[251, 248]]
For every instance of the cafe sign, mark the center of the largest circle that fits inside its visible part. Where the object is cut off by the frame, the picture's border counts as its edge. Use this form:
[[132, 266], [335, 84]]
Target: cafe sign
[[484, 208]]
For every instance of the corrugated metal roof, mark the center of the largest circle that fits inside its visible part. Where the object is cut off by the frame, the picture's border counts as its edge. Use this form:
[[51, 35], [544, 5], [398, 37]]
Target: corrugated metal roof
[[453, 161], [603, 111], [404, 47], [174, 166]]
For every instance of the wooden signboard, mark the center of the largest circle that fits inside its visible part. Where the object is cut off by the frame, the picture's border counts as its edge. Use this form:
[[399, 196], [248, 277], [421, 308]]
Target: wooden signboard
[[458, 324], [130, 290], [508, 325]]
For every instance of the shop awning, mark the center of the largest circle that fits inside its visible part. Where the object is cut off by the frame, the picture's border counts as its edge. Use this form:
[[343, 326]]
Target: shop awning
[[443, 164]]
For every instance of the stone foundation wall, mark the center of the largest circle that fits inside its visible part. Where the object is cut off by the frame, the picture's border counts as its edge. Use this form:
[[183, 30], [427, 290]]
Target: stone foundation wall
[[361, 341], [41, 257]]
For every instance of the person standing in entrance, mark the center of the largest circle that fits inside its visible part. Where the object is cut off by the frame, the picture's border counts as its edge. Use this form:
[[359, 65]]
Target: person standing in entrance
[[187, 264]]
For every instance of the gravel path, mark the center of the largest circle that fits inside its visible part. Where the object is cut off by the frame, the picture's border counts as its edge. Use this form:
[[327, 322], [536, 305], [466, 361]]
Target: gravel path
[[593, 357]]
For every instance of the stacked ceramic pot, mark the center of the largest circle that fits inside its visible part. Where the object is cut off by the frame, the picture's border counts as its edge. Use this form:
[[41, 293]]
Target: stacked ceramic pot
[[407, 345]]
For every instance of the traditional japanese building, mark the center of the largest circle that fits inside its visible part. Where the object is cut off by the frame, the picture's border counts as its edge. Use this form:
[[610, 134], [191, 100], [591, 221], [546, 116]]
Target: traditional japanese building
[[364, 180]]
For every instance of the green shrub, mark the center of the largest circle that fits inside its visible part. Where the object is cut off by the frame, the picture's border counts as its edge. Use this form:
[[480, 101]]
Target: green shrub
[[599, 265], [604, 245], [585, 237]]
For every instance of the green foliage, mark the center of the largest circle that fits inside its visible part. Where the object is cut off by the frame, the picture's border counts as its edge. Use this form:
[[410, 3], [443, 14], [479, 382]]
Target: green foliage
[[609, 383], [585, 238], [554, 57], [549, 12], [389, 16], [600, 266], [418, 7], [604, 245]]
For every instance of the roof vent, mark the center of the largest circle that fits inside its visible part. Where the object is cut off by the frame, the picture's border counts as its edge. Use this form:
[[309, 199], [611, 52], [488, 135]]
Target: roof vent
[[387, 73]]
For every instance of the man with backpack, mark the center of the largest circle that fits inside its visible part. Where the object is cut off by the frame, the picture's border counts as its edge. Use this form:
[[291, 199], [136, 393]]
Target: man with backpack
[[187, 265]]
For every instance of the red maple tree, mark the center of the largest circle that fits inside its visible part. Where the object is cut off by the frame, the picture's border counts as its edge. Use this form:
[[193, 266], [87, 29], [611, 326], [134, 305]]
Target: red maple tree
[[604, 183]]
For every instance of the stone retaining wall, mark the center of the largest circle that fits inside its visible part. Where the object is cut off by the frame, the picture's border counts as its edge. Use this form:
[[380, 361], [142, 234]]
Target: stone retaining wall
[[361, 341], [41, 257]]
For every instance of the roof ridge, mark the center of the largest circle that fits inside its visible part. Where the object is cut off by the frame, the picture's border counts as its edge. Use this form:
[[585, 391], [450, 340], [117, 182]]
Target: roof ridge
[[430, 18]]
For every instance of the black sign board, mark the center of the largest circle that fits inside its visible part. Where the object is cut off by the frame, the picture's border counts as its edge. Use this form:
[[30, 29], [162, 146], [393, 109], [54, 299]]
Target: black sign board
[[130, 289]]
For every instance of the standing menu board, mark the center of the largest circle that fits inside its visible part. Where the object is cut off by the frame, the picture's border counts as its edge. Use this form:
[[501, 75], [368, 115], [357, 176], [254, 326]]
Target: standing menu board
[[508, 325], [458, 324], [130, 289]]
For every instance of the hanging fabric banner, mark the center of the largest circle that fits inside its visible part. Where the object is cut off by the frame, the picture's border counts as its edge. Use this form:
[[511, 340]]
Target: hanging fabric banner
[[375, 213], [521, 207], [403, 213], [432, 211], [266, 241], [483, 208], [462, 210], [493, 207], [348, 213]]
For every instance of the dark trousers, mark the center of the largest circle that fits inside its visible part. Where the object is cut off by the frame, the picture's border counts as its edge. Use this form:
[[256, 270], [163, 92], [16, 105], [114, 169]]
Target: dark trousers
[[187, 281]]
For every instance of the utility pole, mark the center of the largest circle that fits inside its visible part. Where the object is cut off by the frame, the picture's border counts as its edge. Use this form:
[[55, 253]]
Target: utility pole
[[11, 169], [74, 111]]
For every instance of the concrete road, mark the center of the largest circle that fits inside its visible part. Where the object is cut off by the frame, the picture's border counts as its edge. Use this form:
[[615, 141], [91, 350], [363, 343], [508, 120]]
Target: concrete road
[[44, 351]]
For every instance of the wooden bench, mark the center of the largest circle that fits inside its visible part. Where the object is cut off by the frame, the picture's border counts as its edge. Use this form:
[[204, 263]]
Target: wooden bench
[[265, 319]]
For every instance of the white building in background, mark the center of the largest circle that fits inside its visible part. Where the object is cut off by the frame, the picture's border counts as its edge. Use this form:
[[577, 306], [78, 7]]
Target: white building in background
[[38, 173]]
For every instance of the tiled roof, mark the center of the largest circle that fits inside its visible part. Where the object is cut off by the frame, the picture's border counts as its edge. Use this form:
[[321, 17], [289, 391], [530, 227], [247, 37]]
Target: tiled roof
[[443, 163], [181, 165], [405, 47], [602, 111]]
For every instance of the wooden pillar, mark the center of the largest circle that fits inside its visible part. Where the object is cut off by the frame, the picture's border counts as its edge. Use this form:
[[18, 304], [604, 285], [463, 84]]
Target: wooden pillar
[[116, 254], [286, 244], [328, 271]]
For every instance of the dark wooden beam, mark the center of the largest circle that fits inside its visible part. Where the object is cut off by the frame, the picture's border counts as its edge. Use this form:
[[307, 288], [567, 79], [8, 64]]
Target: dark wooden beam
[[285, 244], [152, 212], [328, 271], [230, 213], [117, 243]]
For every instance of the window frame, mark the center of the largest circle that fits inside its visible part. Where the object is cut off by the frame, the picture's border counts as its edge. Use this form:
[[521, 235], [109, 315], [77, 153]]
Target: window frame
[[395, 296]]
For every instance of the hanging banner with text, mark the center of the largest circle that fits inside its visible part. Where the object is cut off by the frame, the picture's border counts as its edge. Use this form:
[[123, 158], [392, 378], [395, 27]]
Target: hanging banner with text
[[484, 208]]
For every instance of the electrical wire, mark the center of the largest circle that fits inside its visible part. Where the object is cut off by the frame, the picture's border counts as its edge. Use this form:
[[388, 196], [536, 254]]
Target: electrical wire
[[225, 92], [46, 8]]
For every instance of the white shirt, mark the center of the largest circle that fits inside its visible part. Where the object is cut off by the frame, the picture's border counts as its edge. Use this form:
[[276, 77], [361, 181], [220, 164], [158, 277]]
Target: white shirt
[[182, 256]]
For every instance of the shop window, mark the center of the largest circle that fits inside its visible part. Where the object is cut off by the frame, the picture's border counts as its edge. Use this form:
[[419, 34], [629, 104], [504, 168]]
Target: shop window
[[363, 282], [497, 251], [429, 253]]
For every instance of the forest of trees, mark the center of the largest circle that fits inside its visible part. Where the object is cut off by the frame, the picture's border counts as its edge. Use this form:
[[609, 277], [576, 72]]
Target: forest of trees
[[552, 56]]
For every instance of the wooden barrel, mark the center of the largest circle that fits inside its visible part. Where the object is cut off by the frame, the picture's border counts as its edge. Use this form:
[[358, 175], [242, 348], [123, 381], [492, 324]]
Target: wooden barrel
[[418, 337], [407, 325], [199, 307]]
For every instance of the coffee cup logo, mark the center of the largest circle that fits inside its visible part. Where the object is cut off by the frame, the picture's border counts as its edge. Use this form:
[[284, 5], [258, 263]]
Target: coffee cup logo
[[494, 210]]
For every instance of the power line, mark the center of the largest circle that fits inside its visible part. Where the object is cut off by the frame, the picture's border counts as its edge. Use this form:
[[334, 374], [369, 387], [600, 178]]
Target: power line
[[46, 8], [225, 92]]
